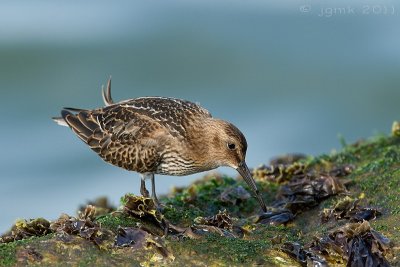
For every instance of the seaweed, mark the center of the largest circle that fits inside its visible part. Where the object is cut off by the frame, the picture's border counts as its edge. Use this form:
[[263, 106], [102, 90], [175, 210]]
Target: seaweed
[[24, 229], [221, 223], [234, 195], [83, 226], [396, 129], [143, 208], [356, 243], [278, 173], [206, 230], [137, 238], [275, 217], [220, 220], [130, 237], [349, 209], [287, 159], [304, 191], [303, 256], [101, 204]]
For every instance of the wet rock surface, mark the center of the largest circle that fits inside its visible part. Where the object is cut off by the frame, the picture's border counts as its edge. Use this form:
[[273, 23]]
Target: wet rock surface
[[333, 210]]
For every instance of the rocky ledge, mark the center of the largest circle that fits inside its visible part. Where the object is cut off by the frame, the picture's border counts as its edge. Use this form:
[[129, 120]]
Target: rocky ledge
[[331, 210]]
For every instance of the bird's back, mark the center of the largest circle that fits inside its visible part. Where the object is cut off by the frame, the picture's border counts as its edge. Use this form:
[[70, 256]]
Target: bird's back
[[137, 134], [174, 114]]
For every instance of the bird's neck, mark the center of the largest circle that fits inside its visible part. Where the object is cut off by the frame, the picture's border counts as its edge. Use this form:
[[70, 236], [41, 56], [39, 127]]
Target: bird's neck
[[204, 146]]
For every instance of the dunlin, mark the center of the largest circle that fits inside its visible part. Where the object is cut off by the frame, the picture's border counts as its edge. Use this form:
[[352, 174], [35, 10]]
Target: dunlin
[[160, 135]]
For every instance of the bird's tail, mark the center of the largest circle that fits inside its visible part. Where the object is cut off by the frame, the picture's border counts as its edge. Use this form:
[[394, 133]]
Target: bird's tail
[[61, 120], [84, 124], [106, 93]]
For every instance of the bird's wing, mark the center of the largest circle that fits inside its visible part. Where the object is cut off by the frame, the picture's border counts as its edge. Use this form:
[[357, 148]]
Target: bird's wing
[[174, 114], [119, 136]]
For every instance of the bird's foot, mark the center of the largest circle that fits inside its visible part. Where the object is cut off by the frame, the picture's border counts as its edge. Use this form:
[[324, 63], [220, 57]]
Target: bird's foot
[[159, 206], [144, 192]]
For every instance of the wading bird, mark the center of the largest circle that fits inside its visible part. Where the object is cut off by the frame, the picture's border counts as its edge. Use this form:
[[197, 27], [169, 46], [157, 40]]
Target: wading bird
[[160, 135]]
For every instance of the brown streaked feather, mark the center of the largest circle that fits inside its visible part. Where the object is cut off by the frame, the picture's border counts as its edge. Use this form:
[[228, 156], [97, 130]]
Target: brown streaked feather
[[130, 134], [76, 125], [120, 138], [174, 114], [75, 109], [87, 121]]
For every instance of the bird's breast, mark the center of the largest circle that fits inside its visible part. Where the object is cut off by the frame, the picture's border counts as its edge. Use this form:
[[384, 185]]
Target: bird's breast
[[176, 163]]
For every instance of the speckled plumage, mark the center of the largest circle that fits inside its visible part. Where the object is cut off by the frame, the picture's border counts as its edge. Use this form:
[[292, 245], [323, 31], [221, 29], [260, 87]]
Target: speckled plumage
[[159, 135]]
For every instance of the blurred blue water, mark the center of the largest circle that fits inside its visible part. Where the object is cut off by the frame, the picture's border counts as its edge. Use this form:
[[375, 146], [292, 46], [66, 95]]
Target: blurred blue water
[[291, 81]]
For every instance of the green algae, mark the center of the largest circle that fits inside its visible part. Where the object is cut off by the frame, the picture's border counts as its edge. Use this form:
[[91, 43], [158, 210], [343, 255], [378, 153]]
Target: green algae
[[113, 221], [8, 251], [204, 198], [229, 250], [375, 180]]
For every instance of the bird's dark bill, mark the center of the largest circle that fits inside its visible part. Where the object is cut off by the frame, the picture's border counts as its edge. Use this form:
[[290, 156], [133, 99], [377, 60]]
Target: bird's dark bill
[[245, 173]]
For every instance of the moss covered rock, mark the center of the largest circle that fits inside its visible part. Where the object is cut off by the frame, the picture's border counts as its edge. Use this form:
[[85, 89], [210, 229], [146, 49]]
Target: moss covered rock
[[317, 206]]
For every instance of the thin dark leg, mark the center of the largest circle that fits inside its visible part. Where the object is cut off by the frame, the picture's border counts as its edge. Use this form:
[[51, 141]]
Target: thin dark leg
[[143, 189], [153, 192]]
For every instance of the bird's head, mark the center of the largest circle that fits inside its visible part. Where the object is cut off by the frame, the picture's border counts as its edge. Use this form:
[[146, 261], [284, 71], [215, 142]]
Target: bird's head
[[228, 144], [228, 148]]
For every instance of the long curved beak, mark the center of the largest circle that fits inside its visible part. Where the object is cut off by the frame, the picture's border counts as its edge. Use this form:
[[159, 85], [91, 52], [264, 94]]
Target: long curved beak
[[245, 173]]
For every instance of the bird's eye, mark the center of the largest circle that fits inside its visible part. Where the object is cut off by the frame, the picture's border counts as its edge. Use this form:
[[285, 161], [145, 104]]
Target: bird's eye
[[231, 146]]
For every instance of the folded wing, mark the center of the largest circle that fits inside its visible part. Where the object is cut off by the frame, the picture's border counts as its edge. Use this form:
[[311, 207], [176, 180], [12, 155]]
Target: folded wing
[[119, 136]]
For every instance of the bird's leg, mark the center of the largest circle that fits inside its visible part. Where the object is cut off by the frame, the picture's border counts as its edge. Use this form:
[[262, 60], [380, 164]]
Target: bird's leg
[[143, 189], [159, 206], [154, 195]]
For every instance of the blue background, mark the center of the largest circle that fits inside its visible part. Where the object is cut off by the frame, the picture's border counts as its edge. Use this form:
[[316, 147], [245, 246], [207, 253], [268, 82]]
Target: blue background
[[290, 76]]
